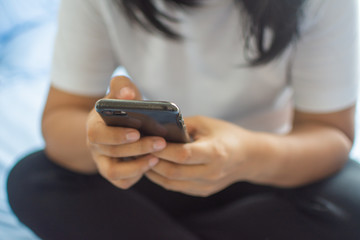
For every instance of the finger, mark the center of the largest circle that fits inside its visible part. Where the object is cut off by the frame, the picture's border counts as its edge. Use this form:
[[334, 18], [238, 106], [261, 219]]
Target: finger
[[196, 127], [115, 170], [186, 187], [126, 183], [198, 152], [122, 87], [100, 133], [144, 146], [182, 172], [168, 184]]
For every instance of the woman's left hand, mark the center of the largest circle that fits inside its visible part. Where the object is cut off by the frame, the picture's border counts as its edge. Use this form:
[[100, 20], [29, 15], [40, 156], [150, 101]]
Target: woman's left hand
[[216, 159]]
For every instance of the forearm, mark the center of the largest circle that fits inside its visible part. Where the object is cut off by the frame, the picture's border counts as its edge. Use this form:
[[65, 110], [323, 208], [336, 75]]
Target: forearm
[[64, 131], [309, 153]]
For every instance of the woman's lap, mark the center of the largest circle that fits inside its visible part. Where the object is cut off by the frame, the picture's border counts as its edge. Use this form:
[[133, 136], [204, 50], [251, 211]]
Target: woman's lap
[[59, 204]]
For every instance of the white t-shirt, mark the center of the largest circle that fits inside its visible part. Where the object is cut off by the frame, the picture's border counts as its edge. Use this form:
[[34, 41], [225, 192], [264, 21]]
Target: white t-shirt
[[203, 73]]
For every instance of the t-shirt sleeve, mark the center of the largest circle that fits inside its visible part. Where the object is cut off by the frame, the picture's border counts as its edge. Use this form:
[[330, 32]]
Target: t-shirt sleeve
[[324, 70], [83, 60]]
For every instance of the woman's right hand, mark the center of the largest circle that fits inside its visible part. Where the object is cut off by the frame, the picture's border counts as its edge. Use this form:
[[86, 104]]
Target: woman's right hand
[[112, 147]]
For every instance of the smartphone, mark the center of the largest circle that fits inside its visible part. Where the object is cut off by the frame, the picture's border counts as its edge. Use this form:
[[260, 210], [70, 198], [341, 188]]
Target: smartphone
[[151, 118]]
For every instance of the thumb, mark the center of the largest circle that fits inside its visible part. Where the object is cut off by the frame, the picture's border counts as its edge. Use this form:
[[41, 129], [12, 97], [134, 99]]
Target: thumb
[[196, 126], [122, 87]]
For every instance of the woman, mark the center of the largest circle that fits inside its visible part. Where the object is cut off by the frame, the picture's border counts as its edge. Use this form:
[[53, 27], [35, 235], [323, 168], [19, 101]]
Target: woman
[[273, 88]]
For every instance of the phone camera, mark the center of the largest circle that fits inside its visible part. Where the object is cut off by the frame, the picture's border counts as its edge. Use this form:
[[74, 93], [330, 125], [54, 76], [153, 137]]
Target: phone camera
[[109, 113], [119, 113]]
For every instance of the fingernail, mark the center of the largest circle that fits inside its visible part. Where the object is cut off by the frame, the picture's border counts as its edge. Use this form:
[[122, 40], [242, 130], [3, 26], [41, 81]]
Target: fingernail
[[127, 93], [153, 162], [159, 145], [132, 136]]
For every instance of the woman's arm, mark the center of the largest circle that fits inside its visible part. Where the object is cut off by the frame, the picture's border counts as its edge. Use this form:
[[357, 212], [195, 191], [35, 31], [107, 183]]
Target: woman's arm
[[223, 153], [318, 145], [64, 130]]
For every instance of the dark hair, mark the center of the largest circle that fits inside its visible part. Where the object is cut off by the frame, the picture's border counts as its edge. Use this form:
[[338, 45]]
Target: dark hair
[[282, 17]]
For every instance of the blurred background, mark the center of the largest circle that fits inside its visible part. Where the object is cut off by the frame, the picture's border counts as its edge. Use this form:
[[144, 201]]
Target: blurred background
[[27, 31]]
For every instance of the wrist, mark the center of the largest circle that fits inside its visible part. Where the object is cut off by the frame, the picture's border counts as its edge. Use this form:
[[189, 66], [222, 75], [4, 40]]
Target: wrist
[[264, 156]]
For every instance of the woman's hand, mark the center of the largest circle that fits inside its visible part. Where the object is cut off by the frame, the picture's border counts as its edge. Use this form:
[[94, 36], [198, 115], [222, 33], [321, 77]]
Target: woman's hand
[[112, 147], [223, 153], [216, 159]]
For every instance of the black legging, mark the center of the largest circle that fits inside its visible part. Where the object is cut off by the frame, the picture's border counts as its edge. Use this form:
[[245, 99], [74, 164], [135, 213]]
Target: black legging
[[59, 204]]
